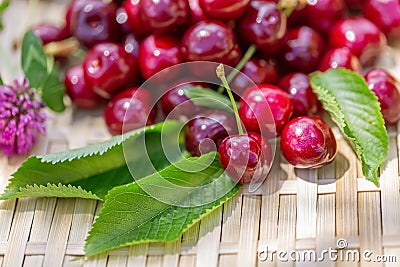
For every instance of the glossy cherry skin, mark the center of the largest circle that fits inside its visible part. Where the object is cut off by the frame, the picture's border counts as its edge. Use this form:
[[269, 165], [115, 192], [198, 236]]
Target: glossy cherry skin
[[122, 20], [157, 53], [129, 110], [264, 25], [80, 92], [50, 33], [307, 142], [210, 41], [72, 9], [340, 58], [385, 14], [175, 101], [108, 67], [361, 36], [266, 109], [95, 22], [131, 45], [164, 16], [255, 71], [196, 13], [303, 50], [135, 21], [224, 9], [245, 158], [206, 131], [297, 85], [323, 14], [387, 89]]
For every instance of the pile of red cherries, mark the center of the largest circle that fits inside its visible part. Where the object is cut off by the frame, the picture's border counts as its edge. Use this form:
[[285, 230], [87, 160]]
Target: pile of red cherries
[[127, 42]]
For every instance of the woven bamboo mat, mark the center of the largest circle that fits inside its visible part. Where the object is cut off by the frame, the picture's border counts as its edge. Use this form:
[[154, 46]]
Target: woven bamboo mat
[[294, 210]]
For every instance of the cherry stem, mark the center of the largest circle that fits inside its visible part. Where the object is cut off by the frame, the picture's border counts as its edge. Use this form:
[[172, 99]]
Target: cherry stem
[[235, 71], [221, 74]]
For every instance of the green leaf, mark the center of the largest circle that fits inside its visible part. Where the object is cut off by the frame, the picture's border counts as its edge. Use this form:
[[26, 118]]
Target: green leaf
[[53, 91], [4, 4], [97, 168], [356, 110], [1, 81], [136, 217], [201, 96], [33, 60], [52, 190]]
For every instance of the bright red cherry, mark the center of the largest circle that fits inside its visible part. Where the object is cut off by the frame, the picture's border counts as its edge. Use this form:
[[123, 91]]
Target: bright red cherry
[[266, 109], [135, 21], [385, 14], [224, 9], [206, 131], [246, 157], [210, 41], [164, 16], [264, 25], [108, 67], [340, 58], [361, 36], [80, 92], [307, 142], [95, 22], [50, 33], [322, 14], [297, 85], [157, 53], [387, 89], [259, 71], [303, 50], [129, 110]]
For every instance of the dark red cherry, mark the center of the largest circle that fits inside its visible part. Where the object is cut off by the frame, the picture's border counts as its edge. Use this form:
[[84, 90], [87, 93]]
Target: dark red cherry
[[164, 16], [303, 50], [307, 142], [387, 89], [245, 158], [129, 110], [122, 20], [210, 41], [95, 22], [72, 9], [255, 71], [297, 85], [266, 109], [108, 67], [135, 21], [50, 33], [354, 4], [131, 44], [206, 131], [340, 58], [385, 14], [196, 13], [157, 53], [361, 36], [175, 101], [322, 14], [224, 9], [264, 25], [80, 92]]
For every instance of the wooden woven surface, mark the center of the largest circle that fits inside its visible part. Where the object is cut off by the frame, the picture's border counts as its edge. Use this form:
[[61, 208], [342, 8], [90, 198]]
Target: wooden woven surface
[[302, 210]]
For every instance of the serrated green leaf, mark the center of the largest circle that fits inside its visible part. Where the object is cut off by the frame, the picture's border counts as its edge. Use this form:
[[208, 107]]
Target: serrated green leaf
[[53, 91], [136, 217], [33, 60], [201, 96], [356, 110], [52, 190], [100, 167]]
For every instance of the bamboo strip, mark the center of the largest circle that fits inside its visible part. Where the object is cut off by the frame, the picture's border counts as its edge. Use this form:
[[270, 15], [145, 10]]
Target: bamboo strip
[[119, 260], [137, 255], [286, 226], [171, 254], [189, 240], [152, 261]]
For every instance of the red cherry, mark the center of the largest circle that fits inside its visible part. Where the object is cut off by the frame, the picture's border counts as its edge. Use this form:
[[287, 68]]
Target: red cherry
[[108, 67], [135, 21], [354, 4], [361, 36], [129, 110], [307, 142], [340, 58], [387, 89], [50, 33], [246, 157], [297, 85], [157, 53], [224, 9], [196, 13], [266, 109], [80, 92], [385, 14], [131, 44]]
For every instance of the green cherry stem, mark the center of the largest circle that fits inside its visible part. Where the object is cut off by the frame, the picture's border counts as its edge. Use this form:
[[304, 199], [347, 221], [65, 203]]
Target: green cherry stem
[[235, 71], [221, 74]]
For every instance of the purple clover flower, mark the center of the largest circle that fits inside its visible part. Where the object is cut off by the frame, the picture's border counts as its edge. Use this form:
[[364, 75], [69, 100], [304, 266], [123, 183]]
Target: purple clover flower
[[22, 118]]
